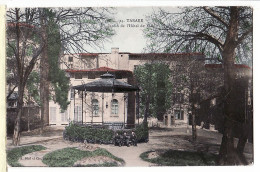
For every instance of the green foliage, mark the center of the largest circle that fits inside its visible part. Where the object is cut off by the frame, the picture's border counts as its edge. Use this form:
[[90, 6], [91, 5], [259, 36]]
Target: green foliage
[[154, 81], [142, 132], [68, 156], [79, 133], [89, 21], [29, 51], [9, 50], [13, 155], [57, 76], [33, 86], [91, 134], [181, 158], [110, 20]]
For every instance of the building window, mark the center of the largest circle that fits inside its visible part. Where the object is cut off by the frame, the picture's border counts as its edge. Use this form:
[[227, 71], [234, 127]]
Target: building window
[[64, 116], [95, 107], [70, 59], [78, 76], [78, 114], [179, 114], [114, 107], [52, 114]]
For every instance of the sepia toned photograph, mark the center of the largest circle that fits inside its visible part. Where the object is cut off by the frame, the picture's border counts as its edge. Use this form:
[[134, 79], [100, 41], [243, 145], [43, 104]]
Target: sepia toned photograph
[[129, 86]]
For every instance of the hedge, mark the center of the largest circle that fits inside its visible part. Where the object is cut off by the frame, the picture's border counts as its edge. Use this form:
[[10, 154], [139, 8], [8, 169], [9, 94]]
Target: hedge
[[78, 133], [91, 134]]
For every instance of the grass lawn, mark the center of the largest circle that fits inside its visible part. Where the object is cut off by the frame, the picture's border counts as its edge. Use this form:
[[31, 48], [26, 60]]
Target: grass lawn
[[16, 153], [68, 156], [181, 158]]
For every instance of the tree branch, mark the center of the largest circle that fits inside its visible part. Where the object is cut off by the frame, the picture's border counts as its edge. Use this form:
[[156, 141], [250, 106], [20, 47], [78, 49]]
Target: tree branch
[[11, 92], [211, 39], [244, 35], [216, 16]]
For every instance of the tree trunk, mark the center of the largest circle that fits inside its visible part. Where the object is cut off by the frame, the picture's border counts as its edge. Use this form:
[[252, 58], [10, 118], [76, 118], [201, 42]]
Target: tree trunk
[[17, 124], [44, 81], [148, 96], [245, 128], [242, 142], [227, 153], [194, 130], [193, 101], [130, 120], [147, 108], [28, 119]]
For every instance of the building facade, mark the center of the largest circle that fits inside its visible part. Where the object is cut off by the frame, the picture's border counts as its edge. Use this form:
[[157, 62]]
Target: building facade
[[194, 83], [119, 107]]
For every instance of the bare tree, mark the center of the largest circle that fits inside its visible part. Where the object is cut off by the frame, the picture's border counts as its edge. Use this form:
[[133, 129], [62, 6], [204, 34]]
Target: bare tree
[[19, 33], [222, 33], [27, 40]]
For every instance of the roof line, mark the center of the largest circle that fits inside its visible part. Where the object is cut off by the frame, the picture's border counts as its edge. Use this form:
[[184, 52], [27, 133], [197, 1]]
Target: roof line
[[86, 54], [100, 69]]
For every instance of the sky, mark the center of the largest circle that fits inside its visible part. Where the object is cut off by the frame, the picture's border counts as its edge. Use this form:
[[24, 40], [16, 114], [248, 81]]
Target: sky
[[128, 39]]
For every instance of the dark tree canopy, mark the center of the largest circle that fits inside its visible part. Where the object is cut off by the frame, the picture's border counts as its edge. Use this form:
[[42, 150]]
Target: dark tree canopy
[[200, 29]]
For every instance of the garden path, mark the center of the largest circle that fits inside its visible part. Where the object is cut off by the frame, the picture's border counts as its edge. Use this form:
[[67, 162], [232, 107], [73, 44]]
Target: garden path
[[167, 138]]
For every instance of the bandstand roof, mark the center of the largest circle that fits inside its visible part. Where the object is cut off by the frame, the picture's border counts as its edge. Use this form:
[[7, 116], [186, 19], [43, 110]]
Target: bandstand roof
[[107, 83]]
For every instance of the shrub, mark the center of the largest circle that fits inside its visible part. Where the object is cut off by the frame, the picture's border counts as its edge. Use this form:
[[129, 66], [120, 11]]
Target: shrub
[[91, 134]]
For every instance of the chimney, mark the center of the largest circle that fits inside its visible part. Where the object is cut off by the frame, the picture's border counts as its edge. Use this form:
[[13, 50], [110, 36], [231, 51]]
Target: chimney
[[114, 50]]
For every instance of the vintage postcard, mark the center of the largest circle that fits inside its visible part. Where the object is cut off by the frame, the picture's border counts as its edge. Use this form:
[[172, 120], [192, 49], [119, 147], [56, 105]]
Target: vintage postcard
[[139, 86]]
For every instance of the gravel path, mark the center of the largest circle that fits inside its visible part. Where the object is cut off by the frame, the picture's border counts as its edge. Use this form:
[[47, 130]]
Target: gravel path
[[34, 159], [130, 154], [171, 138]]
